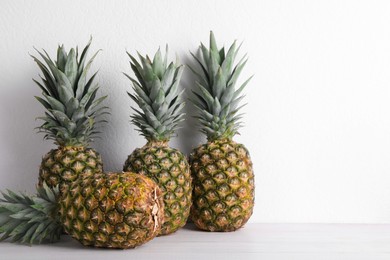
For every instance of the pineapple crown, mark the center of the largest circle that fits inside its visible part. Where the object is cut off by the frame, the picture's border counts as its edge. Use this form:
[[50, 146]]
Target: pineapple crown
[[158, 96], [216, 98], [69, 97], [27, 219]]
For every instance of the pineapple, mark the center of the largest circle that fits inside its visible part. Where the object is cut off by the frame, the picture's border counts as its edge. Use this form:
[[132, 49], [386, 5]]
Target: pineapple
[[113, 210], [27, 219], [223, 196], [69, 98], [158, 96]]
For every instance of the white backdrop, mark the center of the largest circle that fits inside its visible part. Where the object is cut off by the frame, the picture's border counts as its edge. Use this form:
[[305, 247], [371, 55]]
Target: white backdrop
[[317, 122]]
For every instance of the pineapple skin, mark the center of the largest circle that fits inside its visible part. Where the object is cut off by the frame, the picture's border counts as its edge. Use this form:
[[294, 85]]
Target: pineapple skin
[[223, 179], [169, 168], [112, 210], [64, 165]]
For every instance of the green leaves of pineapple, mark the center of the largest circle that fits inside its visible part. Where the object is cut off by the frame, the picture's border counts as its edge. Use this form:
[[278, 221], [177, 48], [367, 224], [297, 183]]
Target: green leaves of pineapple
[[61, 57], [157, 94], [216, 97], [83, 87], [26, 219], [69, 96], [71, 67], [158, 65]]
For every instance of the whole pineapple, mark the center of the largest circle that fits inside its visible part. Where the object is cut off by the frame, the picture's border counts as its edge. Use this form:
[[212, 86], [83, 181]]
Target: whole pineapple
[[158, 96], [30, 219], [113, 210], [69, 98], [223, 196]]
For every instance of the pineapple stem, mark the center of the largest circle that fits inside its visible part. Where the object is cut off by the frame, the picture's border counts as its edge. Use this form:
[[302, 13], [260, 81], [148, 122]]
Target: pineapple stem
[[65, 148], [157, 143]]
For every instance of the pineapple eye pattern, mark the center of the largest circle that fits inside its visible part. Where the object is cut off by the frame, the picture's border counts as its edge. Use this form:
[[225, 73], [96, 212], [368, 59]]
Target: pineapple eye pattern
[[169, 169], [116, 210], [223, 196]]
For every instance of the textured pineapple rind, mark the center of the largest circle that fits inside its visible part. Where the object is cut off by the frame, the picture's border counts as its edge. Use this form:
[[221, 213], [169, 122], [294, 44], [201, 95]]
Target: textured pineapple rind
[[169, 168], [64, 165], [223, 180], [113, 210]]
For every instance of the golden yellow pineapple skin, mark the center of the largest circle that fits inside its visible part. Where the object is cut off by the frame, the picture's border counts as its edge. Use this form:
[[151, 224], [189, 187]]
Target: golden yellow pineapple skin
[[169, 168], [65, 164], [112, 210], [223, 180]]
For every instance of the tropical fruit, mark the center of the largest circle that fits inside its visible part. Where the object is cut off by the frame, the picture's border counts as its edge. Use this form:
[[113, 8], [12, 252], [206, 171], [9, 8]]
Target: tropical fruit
[[223, 196], [70, 119], [113, 210], [159, 99]]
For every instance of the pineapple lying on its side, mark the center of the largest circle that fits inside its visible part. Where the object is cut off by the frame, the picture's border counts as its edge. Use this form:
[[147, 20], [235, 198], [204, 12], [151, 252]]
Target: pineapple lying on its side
[[112, 210], [158, 96], [223, 196], [72, 109]]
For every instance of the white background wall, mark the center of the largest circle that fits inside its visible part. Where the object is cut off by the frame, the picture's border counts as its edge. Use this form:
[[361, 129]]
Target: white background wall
[[317, 122]]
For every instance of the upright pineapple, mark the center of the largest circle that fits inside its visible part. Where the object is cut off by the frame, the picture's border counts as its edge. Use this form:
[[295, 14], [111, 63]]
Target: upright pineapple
[[72, 109], [113, 210], [223, 196], [30, 219], [158, 96]]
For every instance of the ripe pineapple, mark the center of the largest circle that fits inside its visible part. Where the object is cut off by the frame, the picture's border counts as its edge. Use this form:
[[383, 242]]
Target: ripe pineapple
[[114, 210], [223, 196], [29, 220], [72, 109], [157, 94]]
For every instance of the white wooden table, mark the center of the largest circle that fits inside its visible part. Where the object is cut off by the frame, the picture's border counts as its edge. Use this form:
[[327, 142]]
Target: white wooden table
[[255, 241]]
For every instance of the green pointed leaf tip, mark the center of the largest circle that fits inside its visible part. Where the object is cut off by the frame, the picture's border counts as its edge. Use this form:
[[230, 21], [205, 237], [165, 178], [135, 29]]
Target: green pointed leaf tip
[[61, 57], [213, 43], [67, 89], [71, 67], [157, 95], [36, 219], [216, 98], [158, 64]]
